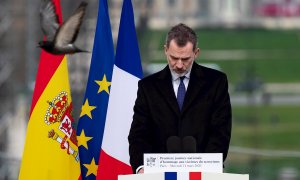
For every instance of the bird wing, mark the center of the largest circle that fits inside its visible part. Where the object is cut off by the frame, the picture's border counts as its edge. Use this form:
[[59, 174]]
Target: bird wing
[[68, 32], [49, 19]]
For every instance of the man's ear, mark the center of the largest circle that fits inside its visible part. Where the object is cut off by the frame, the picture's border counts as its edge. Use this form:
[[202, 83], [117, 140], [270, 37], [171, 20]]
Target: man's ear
[[197, 52], [165, 49]]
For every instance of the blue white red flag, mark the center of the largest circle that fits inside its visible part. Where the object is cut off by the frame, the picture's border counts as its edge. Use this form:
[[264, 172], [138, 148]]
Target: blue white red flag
[[114, 158], [183, 176]]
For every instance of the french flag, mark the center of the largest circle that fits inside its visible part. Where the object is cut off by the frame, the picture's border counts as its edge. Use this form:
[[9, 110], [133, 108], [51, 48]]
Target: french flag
[[127, 71], [183, 176]]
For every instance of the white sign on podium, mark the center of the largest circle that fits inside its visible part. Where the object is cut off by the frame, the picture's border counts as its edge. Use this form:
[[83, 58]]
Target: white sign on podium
[[183, 162], [184, 176]]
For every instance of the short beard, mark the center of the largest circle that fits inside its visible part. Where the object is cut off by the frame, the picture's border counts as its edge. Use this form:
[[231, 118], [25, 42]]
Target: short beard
[[180, 74]]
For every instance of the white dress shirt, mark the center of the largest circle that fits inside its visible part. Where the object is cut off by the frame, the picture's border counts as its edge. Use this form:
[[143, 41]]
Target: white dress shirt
[[176, 80]]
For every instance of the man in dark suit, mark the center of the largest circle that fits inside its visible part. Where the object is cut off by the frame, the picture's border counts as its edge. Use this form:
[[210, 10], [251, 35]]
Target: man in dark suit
[[184, 99]]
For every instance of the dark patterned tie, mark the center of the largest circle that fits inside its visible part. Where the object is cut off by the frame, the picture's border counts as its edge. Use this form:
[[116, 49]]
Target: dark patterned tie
[[181, 93]]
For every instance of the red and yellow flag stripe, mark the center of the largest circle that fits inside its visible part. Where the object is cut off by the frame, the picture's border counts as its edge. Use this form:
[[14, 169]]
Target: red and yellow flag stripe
[[51, 150]]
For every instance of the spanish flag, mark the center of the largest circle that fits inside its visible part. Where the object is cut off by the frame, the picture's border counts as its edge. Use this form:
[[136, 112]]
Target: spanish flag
[[51, 150]]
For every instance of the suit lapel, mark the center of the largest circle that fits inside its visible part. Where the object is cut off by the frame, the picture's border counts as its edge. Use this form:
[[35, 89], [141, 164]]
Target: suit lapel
[[196, 84], [165, 87]]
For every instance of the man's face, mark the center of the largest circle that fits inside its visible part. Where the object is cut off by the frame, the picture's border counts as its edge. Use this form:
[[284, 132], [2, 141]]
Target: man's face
[[180, 59]]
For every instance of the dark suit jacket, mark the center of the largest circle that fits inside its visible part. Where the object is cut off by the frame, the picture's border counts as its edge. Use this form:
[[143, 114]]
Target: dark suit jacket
[[205, 115]]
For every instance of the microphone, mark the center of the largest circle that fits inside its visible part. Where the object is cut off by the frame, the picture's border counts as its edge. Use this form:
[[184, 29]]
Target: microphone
[[189, 144], [174, 144]]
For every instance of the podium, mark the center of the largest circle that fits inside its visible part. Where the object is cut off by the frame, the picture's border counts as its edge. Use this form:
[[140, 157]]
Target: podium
[[184, 166], [185, 176]]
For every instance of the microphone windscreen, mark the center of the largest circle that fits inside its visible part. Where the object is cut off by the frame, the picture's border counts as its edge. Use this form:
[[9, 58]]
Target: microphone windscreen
[[189, 144], [173, 144]]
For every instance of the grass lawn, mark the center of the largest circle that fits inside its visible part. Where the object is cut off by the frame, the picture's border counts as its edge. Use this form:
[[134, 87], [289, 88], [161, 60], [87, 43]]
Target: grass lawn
[[261, 168], [267, 128], [279, 71]]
